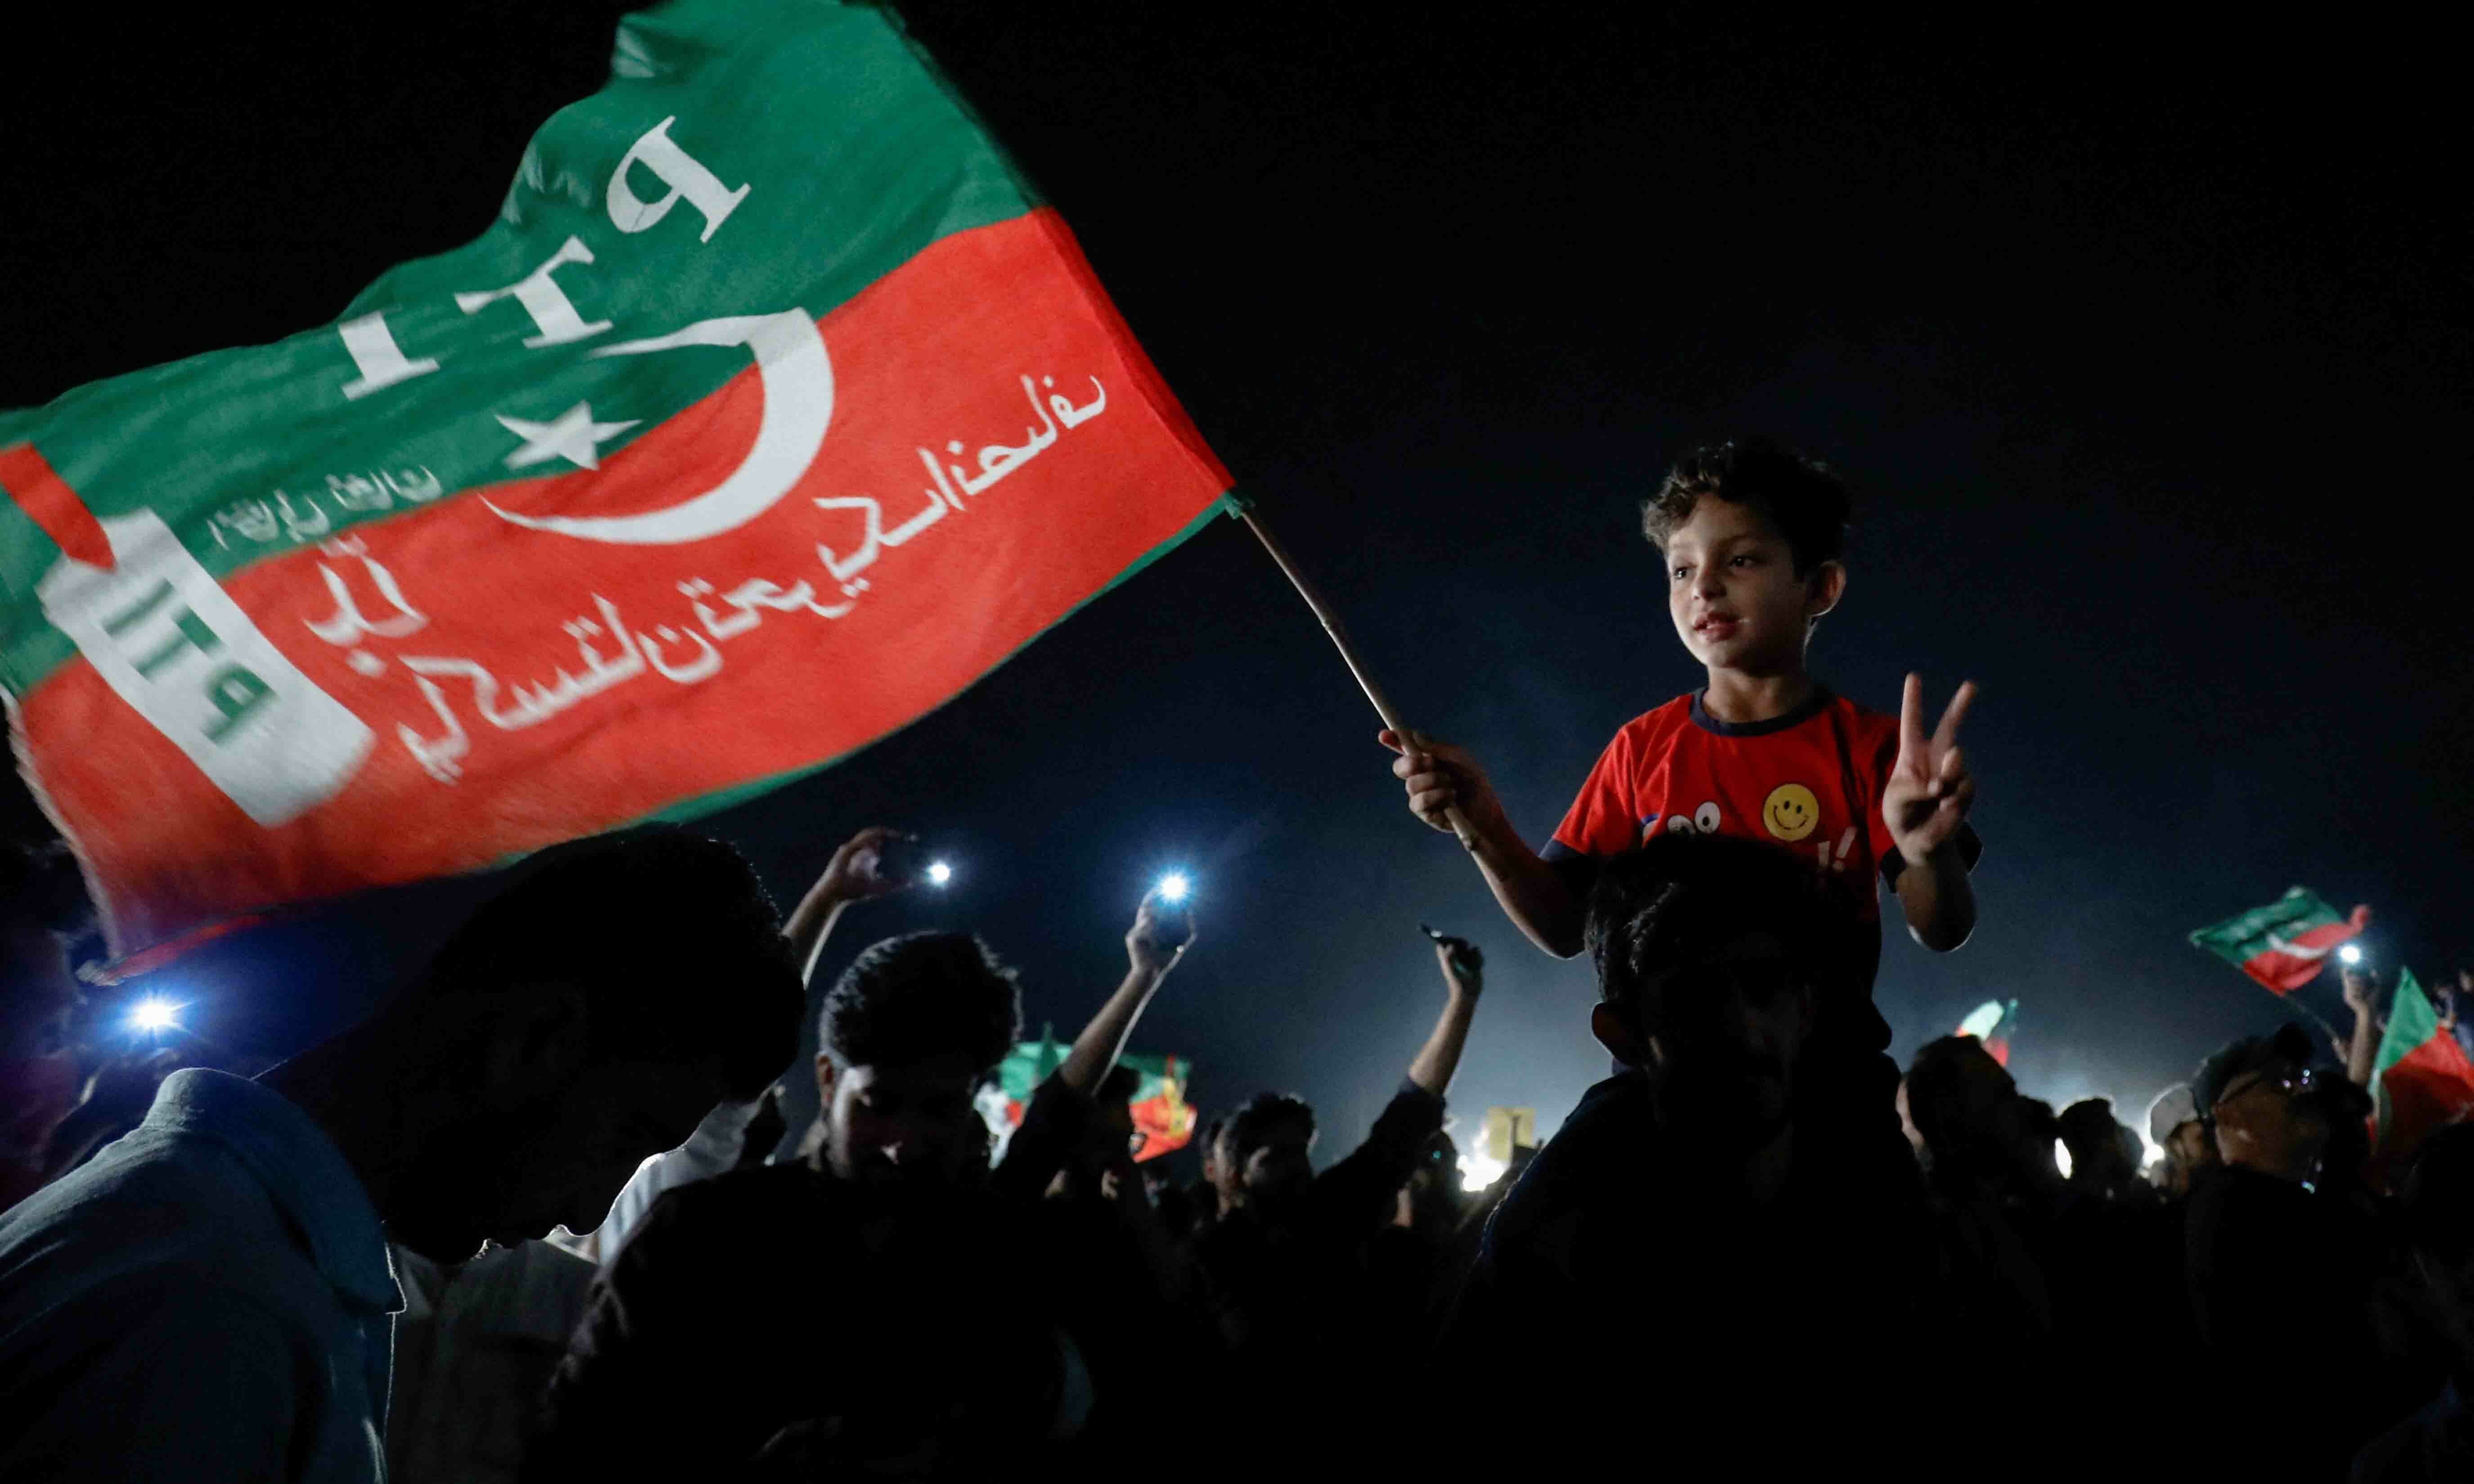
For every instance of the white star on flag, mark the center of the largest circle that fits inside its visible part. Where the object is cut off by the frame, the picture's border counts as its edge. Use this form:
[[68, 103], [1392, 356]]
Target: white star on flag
[[570, 438]]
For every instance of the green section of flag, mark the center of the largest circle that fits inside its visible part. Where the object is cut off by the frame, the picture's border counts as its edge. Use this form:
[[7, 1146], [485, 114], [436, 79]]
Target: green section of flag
[[1032, 1063], [1984, 1018], [856, 157], [1029, 1065], [2245, 936], [1159, 1074], [2411, 1021]]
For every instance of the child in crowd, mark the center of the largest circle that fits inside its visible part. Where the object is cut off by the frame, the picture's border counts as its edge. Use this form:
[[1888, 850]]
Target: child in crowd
[[1752, 539]]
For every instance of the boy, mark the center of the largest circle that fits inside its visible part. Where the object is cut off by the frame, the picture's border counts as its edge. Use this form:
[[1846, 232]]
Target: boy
[[1752, 538]]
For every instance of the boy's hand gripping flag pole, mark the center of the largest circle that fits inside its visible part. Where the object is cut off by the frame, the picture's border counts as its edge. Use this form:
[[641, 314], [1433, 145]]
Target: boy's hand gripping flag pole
[[1331, 626]]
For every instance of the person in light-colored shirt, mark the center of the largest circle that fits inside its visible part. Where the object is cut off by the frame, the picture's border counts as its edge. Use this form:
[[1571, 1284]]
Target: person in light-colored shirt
[[210, 1297], [478, 1340], [474, 1347]]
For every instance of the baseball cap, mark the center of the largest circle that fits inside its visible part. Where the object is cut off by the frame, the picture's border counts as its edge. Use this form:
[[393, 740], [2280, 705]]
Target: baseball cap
[[2174, 1107], [2291, 1044]]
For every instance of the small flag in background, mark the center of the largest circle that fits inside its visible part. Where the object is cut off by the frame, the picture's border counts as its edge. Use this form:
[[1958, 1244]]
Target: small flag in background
[[1163, 1119], [1993, 1024], [772, 412], [2423, 1080], [1003, 1100], [2286, 943]]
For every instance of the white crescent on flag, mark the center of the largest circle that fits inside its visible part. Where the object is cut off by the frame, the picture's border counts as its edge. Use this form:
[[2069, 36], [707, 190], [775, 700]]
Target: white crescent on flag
[[2277, 945], [797, 378]]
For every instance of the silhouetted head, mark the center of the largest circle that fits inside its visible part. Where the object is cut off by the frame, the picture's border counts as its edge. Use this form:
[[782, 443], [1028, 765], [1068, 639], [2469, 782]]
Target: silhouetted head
[[1711, 951], [582, 1020], [909, 1033], [1267, 1149], [2255, 1096]]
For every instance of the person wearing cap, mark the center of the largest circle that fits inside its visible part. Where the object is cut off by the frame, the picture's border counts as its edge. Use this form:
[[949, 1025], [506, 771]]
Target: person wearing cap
[[2249, 1096], [2279, 1280], [2173, 1126]]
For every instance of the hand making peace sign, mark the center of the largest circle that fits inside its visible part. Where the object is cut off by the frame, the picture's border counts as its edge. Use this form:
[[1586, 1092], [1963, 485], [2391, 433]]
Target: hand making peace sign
[[1928, 793]]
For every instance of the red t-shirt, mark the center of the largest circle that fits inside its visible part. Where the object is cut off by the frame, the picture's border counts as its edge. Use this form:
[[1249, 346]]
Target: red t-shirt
[[1809, 782]]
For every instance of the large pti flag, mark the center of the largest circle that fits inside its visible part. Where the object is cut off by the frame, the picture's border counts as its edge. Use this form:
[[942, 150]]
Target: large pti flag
[[772, 412], [2423, 1080], [2286, 943]]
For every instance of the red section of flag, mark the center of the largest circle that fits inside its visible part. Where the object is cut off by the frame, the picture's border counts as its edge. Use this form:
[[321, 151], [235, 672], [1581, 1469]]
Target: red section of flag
[[121, 971], [1999, 1048], [716, 697], [51, 504], [1166, 1125], [2298, 961], [2429, 1087]]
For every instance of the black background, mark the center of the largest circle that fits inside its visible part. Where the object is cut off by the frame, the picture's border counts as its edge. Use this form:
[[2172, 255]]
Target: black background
[[2146, 351]]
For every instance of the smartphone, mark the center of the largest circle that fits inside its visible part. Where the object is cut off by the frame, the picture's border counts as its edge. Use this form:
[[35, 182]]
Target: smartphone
[[1464, 952], [1175, 919], [902, 860]]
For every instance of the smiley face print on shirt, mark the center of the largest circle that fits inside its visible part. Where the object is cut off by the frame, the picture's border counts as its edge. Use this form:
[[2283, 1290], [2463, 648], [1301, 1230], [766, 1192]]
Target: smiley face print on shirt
[[1790, 812]]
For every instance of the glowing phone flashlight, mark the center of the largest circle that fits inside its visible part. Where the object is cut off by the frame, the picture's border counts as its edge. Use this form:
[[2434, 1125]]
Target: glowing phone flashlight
[[1172, 887], [939, 873], [2350, 954], [152, 1013]]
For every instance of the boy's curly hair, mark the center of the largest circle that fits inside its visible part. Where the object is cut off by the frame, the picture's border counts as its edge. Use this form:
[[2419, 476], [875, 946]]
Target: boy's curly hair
[[1808, 503]]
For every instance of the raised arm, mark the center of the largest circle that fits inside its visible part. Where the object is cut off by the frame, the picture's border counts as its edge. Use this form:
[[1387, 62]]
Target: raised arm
[[2362, 1049], [1054, 1125], [1464, 977], [1357, 1194], [1536, 897], [1153, 946], [857, 872]]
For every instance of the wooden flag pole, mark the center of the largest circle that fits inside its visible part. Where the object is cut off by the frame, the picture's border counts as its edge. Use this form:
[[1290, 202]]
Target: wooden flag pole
[[1356, 667]]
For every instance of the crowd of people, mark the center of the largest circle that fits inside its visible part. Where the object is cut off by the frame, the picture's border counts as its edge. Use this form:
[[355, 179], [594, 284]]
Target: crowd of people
[[529, 1221]]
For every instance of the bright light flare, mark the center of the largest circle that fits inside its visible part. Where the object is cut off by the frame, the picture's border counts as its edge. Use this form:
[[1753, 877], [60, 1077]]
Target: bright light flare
[[2062, 1157], [939, 873], [2350, 954], [155, 1015], [1479, 1171], [1172, 887]]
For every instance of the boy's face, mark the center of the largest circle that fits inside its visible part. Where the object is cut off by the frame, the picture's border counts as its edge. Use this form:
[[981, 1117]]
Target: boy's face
[[1733, 593]]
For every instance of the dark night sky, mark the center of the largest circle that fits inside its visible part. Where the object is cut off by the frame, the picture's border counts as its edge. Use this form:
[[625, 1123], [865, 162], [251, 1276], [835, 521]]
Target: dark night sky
[[2147, 352]]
